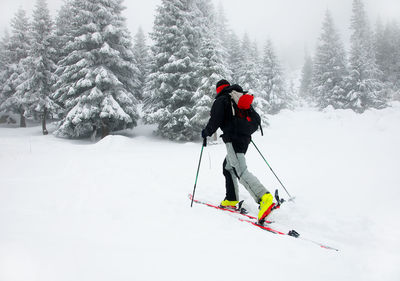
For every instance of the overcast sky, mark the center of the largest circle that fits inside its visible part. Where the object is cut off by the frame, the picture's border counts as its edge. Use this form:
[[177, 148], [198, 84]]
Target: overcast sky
[[293, 25]]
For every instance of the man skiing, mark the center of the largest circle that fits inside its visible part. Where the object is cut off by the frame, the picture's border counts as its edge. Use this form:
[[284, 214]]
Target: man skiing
[[237, 130]]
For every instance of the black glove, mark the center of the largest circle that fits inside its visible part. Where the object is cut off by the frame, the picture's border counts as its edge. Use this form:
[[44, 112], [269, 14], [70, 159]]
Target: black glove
[[204, 136]]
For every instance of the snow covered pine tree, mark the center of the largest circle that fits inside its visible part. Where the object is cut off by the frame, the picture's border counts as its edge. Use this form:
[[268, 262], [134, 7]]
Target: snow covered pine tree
[[98, 76], [16, 50], [364, 88], [172, 80], [329, 68], [142, 57], [38, 80], [273, 95]]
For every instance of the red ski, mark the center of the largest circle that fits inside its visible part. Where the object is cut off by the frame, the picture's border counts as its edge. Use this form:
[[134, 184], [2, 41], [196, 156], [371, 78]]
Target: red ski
[[254, 221]]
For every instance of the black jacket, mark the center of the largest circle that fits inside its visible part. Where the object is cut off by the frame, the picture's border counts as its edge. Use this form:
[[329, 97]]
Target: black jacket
[[235, 129]]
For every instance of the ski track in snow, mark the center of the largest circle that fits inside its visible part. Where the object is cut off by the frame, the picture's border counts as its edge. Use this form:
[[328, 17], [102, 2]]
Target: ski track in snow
[[118, 209]]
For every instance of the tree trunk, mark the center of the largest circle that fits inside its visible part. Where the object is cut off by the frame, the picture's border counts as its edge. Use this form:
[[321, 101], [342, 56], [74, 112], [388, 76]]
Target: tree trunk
[[22, 121], [44, 117], [105, 131], [94, 133]]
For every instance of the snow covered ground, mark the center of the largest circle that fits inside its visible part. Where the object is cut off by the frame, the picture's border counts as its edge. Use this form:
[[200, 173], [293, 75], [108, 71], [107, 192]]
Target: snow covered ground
[[118, 209]]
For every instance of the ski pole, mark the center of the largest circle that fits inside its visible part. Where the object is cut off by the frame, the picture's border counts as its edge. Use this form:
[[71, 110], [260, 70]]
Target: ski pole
[[291, 198], [198, 169]]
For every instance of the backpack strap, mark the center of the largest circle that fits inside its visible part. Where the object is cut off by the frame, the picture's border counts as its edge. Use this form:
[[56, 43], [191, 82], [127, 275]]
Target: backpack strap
[[233, 105], [259, 123], [234, 97]]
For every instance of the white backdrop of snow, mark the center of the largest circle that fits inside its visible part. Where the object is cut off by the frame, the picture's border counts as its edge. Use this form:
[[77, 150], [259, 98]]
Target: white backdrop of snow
[[118, 209]]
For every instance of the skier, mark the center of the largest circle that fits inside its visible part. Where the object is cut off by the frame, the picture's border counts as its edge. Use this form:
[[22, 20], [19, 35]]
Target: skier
[[237, 132]]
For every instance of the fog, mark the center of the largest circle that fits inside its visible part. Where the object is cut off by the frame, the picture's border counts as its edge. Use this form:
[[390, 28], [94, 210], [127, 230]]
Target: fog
[[292, 25]]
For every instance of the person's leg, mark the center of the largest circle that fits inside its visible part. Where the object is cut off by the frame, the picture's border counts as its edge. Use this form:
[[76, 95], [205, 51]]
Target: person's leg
[[238, 162], [259, 193], [231, 184]]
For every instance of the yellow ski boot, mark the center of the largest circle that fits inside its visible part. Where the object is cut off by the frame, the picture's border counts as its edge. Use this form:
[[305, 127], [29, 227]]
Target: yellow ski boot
[[229, 204], [266, 205]]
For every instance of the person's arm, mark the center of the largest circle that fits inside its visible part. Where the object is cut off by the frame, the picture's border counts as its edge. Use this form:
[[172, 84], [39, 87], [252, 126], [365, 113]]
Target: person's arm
[[216, 119]]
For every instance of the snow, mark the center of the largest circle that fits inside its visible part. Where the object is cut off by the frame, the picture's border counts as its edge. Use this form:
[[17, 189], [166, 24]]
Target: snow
[[118, 209]]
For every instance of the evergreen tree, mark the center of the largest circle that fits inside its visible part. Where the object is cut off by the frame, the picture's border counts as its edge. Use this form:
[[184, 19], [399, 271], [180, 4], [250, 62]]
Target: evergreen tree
[[4, 63], [38, 79], [5, 39], [272, 83], [306, 78], [387, 42], [63, 36], [256, 57], [329, 69], [395, 76], [141, 55], [16, 51], [235, 56], [261, 100], [292, 92], [63, 29], [223, 36], [172, 80], [247, 75], [380, 46], [96, 80], [210, 70], [364, 88]]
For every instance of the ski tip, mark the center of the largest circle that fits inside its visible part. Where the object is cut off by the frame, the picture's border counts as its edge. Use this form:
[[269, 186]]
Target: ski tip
[[329, 248]]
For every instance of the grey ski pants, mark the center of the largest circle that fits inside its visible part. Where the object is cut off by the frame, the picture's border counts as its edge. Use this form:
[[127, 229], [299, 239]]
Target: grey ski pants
[[235, 164]]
